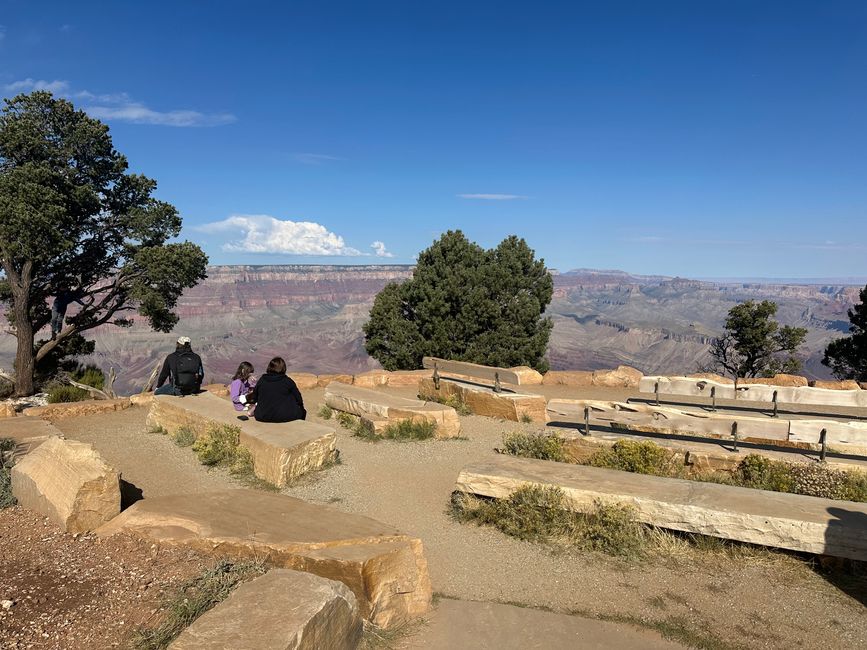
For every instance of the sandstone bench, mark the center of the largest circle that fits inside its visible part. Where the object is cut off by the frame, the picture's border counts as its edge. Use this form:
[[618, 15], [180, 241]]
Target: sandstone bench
[[379, 410], [844, 437], [384, 568], [279, 610], [772, 395], [281, 452], [28, 433], [790, 521], [495, 400]]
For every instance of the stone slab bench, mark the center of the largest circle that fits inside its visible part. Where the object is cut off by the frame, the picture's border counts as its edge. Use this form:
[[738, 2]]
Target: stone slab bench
[[519, 376], [281, 452], [68, 482], [846, 437], [384, 568], [28, 433], [789, 521], [484, 400], [804, 395], [280, 610], [380, 410]]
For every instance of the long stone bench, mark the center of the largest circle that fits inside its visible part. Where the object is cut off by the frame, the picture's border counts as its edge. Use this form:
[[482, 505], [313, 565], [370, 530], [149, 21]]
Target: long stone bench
[[281, 452], [384, 568], [847, 437], [280, 610], [379, 410], [805, 395], [790, 521]]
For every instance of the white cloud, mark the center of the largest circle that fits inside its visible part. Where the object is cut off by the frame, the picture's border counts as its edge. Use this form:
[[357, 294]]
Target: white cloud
[[137, 113], [493, 197], [379, 250], [28, 85], [261, 233], [315, 158], [121, 107]]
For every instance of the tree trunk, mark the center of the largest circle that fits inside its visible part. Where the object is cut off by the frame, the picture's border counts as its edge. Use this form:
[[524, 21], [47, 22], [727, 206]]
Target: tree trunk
[[25, 362]]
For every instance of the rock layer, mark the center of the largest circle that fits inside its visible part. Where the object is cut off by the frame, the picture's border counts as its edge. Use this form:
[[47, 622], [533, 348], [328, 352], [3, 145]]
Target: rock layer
[[68, 482], [791, 521], [281, 452], [59, 411], [385, 569], [282, 610], [383, 409]]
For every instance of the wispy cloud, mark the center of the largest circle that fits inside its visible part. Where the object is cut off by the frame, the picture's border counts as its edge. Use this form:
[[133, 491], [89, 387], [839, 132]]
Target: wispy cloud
[[493, 197], [261, 233], [121, 107], [315, 158], [2, 32], [28, 85], [380, 250], [758, 242]]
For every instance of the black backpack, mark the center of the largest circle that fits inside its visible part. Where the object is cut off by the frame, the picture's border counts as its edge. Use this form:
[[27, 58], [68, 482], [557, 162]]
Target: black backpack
[[187, 376]]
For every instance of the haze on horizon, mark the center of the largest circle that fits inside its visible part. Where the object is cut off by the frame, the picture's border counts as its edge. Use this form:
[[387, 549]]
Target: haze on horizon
[[700, 140]]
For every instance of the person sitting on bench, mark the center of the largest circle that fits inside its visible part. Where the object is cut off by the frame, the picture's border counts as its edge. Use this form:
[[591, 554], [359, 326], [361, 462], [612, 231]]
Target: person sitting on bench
[[183, 368], [276, 396]]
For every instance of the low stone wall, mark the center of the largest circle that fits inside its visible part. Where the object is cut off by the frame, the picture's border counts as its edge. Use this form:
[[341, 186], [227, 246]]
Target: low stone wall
[[384, 568], [281, 452], [620, 377], [790, 521], [68, 482], [52, 412], [482, 400]]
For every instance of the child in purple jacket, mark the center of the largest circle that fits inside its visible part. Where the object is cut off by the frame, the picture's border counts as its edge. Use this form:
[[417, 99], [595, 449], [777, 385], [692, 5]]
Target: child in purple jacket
[[242, 383]]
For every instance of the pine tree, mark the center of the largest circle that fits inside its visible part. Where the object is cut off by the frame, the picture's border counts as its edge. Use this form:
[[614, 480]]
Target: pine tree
[[847, 356]]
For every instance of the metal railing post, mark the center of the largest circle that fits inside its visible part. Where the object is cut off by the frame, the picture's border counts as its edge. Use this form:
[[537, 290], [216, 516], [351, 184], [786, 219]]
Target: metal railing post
[[735, 435], [586, 420], [823, 435], [656, 391], [775, 404], [713, 398]]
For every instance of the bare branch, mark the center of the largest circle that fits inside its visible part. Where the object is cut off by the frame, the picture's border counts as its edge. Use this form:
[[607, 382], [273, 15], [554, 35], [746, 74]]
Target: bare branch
[[149, 384], [94, 392]]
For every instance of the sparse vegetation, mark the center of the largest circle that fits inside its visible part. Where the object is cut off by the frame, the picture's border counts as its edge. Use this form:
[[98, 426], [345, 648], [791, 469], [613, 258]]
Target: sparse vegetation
[[453, 401], [541, 514], [543, 446], [640, 457], [6, 498], [158, 430], [183, 437], [89, 375], [63, 394], [326, 412], [220, 446], [525, 418], [194, 598], [410, 430]]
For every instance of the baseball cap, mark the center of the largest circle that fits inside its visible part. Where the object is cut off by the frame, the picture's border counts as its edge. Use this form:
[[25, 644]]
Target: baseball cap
[[184, 340]]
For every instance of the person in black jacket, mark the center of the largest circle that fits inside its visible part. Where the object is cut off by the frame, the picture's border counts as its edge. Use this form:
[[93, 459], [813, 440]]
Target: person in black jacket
[[276, 396], [183, 369]]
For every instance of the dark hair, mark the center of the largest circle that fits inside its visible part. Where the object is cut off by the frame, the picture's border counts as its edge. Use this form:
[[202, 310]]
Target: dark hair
[[245, 369], [277, 366]]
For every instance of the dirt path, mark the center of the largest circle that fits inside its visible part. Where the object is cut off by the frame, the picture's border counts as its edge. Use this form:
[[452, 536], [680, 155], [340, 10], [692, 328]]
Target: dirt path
[[770, 602]]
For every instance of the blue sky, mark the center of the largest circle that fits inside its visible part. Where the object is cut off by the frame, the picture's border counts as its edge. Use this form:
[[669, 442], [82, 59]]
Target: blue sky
[[682, 138]]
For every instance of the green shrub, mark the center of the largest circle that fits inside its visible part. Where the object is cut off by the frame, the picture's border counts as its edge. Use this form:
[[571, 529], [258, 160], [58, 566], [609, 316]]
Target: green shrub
[[218, 445], [351, 422], [326, 412], [541, 514], [65, 394], [183, 437], [453, 401], [194, 598], [407, 430], [640, 457], [91, 376], [542, 446], [6, 497], [810, 479]]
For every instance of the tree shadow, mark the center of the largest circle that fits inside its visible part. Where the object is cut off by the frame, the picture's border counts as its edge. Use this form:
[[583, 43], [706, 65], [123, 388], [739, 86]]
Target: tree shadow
[[846, 538], [129, 494]]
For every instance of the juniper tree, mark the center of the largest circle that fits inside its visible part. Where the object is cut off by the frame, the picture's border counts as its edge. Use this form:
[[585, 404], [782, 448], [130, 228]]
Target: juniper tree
[[755, 344], [847, 356], [73, 219], [467, 304]]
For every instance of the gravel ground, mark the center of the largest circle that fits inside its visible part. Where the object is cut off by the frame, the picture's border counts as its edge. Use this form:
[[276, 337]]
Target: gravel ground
[[770, 601], [78, 592]]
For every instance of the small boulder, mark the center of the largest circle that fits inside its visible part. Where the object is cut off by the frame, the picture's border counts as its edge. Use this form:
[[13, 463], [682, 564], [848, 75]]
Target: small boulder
[[304, 380], [7, 410], [324, 380], [836, 384], [68, 482], [620, 377], [528, 376], [371, 379]]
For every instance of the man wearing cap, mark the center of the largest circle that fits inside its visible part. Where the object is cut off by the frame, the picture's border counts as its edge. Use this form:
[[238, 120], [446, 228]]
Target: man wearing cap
[[183, 368]]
